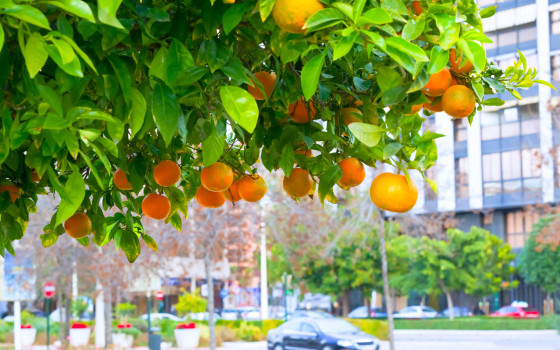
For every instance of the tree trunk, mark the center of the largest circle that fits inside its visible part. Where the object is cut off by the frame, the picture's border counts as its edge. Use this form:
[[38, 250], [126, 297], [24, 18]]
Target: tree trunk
[[485, 306], [384, 272], [107, 299], [449, 301], [345, 303], [549, 307], [210, 282], [423, 301], [67, 314]]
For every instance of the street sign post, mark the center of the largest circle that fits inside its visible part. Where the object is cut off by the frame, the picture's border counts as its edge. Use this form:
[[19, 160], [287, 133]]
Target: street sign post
[[224, 293], [49, 290], [159, 295]]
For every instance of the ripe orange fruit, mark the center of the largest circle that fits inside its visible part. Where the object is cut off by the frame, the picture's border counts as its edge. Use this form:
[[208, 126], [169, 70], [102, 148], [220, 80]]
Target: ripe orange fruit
[[351, 115], [232, 193], [433, 107], [268, 80], [415, 109], [216, 177], [355, 102], [299, 112], [353, 173], [298, 184], [307, 152], [252, 188], [458, 101], [156, 206], [78, 225], [393, 193], [12, 189], [438, 83], [167, 173], [209, 199], [35, 177], [291, 15], [416, 7], [456, 63], [120, 180]]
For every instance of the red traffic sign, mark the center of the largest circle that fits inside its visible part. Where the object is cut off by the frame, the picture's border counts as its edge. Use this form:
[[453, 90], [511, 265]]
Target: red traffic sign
[[49, 289], [159, 295]]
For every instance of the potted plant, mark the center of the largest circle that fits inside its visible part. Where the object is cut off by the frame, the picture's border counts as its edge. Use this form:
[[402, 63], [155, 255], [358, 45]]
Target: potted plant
[[28, 334], [124, 334], [79, 334], [187, 336]]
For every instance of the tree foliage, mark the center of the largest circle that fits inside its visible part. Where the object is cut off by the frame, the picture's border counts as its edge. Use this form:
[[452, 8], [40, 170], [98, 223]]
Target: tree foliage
[[538, 262], [92, 86]]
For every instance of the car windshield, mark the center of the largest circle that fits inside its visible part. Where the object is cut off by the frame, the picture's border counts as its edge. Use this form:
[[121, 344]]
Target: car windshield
[[335, 326]]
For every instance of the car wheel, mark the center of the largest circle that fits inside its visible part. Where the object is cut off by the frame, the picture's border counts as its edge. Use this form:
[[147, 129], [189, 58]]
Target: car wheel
[[327, 347], [278, 347]]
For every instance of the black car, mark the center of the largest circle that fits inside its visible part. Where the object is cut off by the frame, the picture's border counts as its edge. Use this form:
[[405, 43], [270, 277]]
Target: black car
[[320, 334]]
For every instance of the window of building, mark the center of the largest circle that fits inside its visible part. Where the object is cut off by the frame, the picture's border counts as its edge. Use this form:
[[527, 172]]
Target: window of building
[[461, 130], [555, 22], [462, 180], [429, 194], [555, 63], [511, 172], [510, 122], [518, 226], [510, 39]]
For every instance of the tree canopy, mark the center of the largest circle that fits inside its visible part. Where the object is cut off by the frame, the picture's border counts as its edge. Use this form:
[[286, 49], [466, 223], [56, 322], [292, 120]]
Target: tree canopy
[[95, 86]]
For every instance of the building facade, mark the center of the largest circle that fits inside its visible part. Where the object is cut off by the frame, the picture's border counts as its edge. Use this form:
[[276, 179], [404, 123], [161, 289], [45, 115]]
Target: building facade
[[490, 172]]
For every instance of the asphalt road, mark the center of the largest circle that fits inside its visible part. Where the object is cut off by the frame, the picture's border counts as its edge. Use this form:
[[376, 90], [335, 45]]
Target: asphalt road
[[455, 340]]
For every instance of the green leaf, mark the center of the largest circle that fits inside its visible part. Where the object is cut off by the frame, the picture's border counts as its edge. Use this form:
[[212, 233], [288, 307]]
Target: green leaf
[[178, 59], [438, 60], [310, 75], [543, 82], [232, 17], [344, 8], [107, 12], [48, 239], [344, 46], [130, 244], [488, 12], [137, 112], [433, 184], [1, 37], [474, 53], [190, 75], [66, 52], [166, 111], [357, 9], [158, 67], [404, 53], [240, 106], [75, 7], [35, 54], [323, 19], [150, 242], [212, 148], [215, 53], [413, 28], [123, 76], [73, 68], [28, 14], [79, 51], [287, 159], [367, 134], [265, 8], [391, 149], [375, 16], [327, 181], [76, 186], [494, 102], [388, 78], [478, 90]]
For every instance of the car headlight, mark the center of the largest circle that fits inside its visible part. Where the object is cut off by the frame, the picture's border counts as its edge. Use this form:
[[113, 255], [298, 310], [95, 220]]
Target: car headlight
[[344, 343]]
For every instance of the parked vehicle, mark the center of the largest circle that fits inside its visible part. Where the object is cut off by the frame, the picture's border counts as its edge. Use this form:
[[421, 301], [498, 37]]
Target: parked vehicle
[[162, 316], [361, 312], [242, 313], [202, 316], [516, 312], [309, 314], [320, 333], [458, 311], [416, 312]]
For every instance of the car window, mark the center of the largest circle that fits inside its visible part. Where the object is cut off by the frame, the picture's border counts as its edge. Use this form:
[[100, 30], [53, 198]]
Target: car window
[[291, 326], [408, 309], [429, 309], [529, 309], [335, 325], [306, 327]]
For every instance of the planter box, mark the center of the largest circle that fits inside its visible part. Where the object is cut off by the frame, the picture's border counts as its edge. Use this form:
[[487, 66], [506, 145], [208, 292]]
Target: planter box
[[28, 336], [187, 338], [79, 336], [122, 340]]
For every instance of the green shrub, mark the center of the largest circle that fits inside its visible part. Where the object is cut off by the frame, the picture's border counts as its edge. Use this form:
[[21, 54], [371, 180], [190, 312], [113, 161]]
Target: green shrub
[[190, 302], [378, 328], [133, 331], [125, 309], [5, 329], [481, 323], [139, 323], [249, 332], [267, 325]]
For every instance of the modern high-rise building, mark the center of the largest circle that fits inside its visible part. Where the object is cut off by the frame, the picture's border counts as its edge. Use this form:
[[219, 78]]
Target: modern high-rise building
[[508, 159]]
